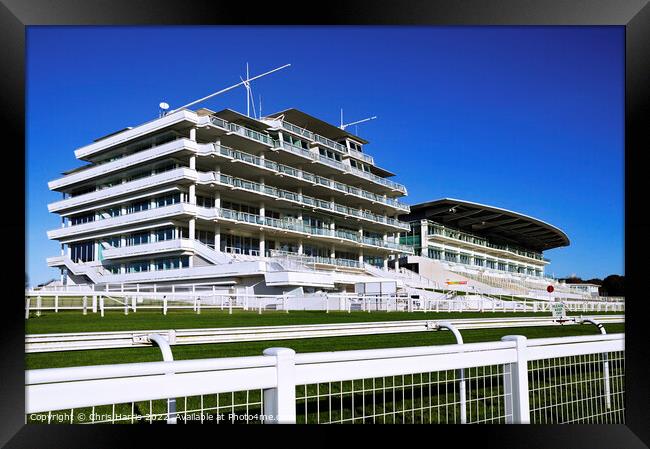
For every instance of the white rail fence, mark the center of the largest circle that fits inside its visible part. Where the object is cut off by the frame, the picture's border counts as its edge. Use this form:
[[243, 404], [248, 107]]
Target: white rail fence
[[195, 299], [515, 380], [74, 341]]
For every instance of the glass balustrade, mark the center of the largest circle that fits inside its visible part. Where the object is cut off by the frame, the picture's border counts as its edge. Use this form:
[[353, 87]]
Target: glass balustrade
[[264, 138], [437, 229], [299, 226], [308, 200]]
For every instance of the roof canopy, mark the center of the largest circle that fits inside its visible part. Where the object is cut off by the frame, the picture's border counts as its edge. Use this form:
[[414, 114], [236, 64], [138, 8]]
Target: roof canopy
[[499, 225], [316, 125]]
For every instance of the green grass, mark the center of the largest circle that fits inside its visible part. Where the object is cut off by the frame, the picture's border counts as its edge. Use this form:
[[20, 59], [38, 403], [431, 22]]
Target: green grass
[[185, 352], [74, 321]]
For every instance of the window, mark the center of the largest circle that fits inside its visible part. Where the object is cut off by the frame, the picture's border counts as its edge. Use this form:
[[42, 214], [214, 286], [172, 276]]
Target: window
[[138, 238], [435, 254], [205, 237], [168, 200], [240, 244], [490, 264], [450, 257], [346, 255], [329, 154], [241, 207], [137, 206], [163, 234], [80, 219], [164, 168], [114, 211], [137, 266], [464, 258], [355, 146], [114, 242], [82, 251], [205, 201], [113, 269], [479, 262], [171, 263], [502, 266]]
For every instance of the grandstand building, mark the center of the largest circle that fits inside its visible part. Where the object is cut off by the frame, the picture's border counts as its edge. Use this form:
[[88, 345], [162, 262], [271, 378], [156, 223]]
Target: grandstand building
[[282, 204], [459, 242], [276, 204]]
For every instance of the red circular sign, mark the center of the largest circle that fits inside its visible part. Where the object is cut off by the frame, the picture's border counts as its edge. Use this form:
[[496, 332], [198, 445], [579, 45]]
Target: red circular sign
[[550, 289]]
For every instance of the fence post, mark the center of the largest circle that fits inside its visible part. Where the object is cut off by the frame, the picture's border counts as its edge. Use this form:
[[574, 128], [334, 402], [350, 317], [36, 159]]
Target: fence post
[[94, 303], [28, 301], [280, 402], [259, 302], [327, 304], [515, 383], [198, 306], [165, 305], [56, 303], [84, 304], [461, 372], [101, 305], [126, 305], [38, 305], [134, 300]]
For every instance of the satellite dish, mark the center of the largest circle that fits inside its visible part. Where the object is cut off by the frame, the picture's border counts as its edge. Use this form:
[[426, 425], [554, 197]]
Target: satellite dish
[[164, 106]]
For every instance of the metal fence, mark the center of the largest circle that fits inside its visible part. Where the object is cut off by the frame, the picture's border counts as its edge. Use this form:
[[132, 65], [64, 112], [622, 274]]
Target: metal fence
[[515, 380]]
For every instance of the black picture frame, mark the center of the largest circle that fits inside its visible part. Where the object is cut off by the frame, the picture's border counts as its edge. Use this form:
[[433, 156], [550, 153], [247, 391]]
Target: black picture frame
[[15, 15]]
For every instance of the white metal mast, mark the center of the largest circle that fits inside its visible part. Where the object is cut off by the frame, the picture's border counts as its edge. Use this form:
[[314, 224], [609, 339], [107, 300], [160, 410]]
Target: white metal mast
[[355, 123], [244, 82]]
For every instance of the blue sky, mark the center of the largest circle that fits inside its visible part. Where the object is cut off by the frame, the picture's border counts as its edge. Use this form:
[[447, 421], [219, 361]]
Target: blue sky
[[525, 118]]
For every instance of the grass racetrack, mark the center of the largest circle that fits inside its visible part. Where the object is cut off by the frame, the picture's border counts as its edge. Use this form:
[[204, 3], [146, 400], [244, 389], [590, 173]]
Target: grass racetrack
[[143, 320]]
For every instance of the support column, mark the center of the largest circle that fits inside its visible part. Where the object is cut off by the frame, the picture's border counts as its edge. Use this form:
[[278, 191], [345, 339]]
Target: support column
[[299, 246], [424, 241], [192, 226], [217, 200], [192, 193], [262, 245], [193, 134], [217, 237]]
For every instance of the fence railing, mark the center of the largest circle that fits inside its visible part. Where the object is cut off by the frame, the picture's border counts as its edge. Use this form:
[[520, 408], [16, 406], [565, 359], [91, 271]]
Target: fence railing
[[515, 380], [165, 298]]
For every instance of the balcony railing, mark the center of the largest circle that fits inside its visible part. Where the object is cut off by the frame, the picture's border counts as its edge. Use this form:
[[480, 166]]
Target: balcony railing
[[314, 260], [299, 226], [298, 130], [309, 201], [437, 229]]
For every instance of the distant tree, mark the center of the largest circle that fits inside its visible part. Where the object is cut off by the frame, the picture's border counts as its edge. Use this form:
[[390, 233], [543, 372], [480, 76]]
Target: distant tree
[[613, 285]]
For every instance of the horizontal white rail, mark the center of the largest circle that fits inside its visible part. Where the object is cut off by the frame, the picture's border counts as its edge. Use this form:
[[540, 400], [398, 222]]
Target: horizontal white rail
[[280, 371], [123, 339]]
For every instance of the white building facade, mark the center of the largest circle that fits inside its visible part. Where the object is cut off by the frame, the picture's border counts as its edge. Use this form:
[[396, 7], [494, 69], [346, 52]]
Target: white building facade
[[274, 204]]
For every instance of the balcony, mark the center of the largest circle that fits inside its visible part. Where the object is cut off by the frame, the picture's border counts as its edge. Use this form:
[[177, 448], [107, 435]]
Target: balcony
[[437, 230], [94, 171], [309, 177], [170, 176], [302, 132], [156, 213], [299, 226], [294, 197]]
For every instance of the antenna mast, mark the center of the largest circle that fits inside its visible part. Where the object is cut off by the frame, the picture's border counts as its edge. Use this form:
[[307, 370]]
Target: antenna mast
[[247, 81], [355, 123]]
